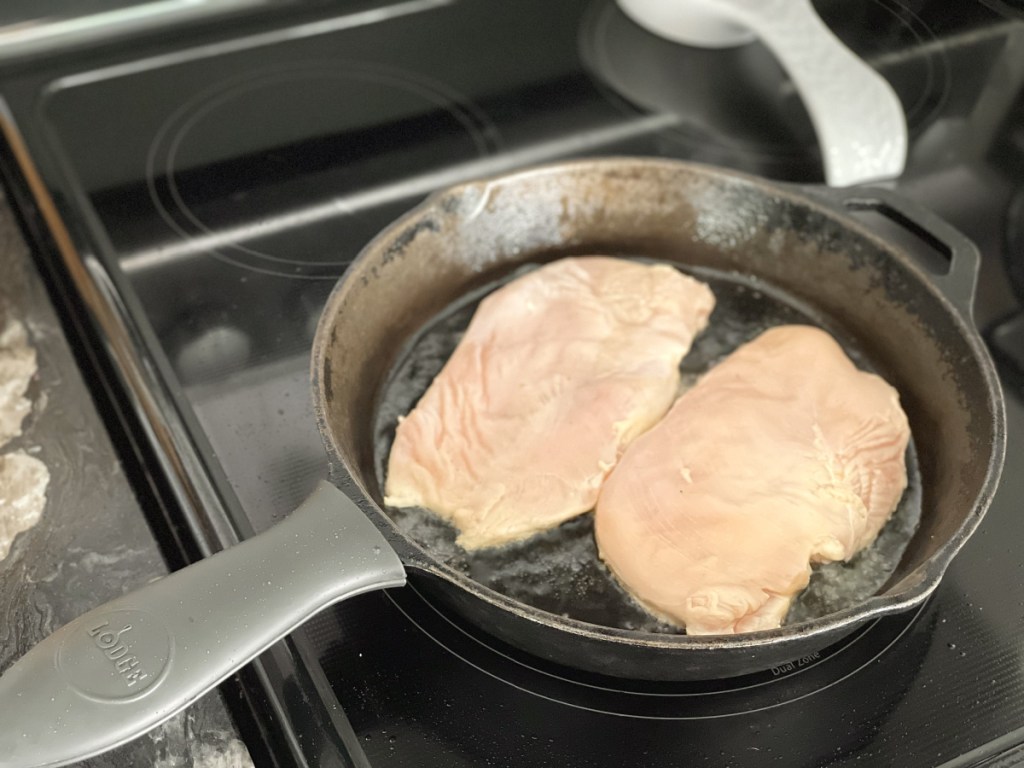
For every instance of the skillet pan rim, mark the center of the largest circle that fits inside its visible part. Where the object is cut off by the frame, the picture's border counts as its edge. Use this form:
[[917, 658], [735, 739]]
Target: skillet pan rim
[[911, 591]]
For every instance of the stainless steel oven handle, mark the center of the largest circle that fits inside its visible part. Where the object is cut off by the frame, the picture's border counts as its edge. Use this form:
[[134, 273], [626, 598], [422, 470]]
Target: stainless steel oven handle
[[125, 667]]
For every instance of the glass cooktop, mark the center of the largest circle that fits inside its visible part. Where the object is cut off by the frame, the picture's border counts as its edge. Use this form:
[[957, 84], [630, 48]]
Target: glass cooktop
[[221, 185]]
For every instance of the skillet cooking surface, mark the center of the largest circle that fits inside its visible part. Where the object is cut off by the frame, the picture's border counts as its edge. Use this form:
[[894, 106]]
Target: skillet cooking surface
[[559, 571], [870, 293]]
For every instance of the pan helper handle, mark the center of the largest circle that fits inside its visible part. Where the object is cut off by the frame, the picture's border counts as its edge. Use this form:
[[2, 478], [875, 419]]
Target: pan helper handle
[[856, 114], [960, 281], [124, 668]]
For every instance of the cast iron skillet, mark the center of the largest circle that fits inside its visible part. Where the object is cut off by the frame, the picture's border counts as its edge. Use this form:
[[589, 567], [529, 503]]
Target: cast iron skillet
[[127, 666]]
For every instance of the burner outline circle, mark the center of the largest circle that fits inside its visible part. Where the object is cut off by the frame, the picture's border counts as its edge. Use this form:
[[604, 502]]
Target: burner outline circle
[[848, 642], [166, 145]]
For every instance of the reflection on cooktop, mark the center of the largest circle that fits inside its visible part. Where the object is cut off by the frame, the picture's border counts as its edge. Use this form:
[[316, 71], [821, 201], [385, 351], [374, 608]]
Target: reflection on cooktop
[[1013, 9], [737, 106], [739, 101]]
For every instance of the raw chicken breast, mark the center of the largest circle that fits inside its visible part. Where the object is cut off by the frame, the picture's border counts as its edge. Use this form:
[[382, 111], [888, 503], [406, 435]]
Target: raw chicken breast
[[558, 371], [782, 455]]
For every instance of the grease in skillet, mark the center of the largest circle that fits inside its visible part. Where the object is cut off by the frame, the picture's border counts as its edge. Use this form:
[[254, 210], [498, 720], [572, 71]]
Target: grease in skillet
[[558, 571]]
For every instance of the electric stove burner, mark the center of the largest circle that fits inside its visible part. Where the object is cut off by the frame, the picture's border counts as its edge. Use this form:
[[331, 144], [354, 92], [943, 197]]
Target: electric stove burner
[[736, 106], [777, 686], [323, 142], [414, 677], [700, 700]]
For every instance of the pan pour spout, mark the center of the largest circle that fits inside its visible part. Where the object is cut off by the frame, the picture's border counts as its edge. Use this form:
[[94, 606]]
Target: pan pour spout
[[123, 668]]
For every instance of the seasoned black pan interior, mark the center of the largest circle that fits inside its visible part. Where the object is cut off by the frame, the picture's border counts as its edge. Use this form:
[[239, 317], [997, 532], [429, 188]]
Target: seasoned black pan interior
[[559, 571], [787, 253]]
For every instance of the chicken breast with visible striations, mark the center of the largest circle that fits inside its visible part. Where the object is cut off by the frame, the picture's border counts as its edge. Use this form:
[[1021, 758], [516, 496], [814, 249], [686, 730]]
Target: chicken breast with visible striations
[[783, 455], [558, 371]]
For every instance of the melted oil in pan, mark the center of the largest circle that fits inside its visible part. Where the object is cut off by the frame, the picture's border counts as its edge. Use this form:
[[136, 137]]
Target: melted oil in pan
[[559, 571]]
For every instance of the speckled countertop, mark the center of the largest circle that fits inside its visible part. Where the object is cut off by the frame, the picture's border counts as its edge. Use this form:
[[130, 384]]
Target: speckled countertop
[[92, 543]]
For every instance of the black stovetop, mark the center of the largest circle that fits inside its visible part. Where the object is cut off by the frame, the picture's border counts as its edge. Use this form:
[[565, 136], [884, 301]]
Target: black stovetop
[[222, 184]]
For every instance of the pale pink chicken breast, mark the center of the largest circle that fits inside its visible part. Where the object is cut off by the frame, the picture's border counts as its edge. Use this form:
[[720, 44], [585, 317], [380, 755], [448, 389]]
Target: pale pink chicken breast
[[558, 371], [783, 455]]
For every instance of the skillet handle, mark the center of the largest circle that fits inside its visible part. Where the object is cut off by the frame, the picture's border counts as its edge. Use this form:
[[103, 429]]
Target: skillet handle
[[961, 280], [125, 667]]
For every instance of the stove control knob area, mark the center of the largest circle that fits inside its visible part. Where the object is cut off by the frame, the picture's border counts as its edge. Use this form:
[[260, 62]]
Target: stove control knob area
[[856, 114]]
